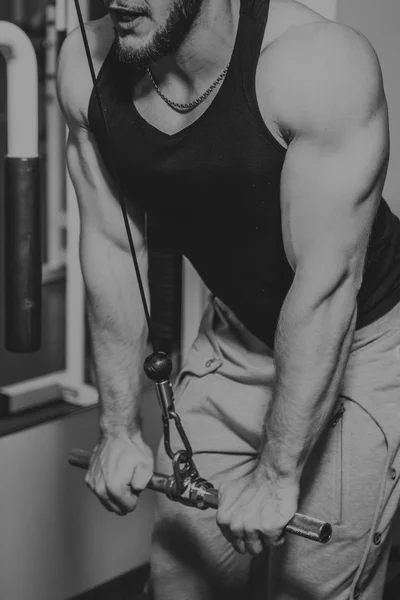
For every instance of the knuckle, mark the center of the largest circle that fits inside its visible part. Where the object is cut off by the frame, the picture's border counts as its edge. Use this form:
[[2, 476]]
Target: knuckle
[[269, 531], [239, 546], [267, 528], [128, 500], [256, 550], [236, 525], [111, 508], [236, 531], [113, 488], [140, 478], [249, 523], [100, 492], [131, 506], [223, 518]]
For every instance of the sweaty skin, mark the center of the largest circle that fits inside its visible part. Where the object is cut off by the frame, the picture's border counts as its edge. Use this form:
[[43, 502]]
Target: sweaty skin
[[320, 92]]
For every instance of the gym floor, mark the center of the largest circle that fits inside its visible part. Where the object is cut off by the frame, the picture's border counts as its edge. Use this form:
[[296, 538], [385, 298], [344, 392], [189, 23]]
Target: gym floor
[[126, 587]]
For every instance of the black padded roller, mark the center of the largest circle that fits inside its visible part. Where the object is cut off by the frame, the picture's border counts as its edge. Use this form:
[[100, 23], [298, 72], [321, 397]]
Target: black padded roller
[[23, 255]]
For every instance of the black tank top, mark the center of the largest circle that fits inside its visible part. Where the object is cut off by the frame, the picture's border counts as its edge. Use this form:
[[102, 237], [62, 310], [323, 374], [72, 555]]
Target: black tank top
[[215, 185]]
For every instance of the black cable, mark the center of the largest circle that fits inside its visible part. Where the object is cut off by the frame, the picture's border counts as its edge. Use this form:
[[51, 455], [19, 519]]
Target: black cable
[[116, 177]]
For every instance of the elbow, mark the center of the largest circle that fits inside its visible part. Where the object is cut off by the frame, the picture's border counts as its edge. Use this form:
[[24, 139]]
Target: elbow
[[325, 278], [336, 290]]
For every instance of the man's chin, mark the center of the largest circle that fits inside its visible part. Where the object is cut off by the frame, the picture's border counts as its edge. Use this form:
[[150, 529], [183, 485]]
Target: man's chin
[[136, 58]]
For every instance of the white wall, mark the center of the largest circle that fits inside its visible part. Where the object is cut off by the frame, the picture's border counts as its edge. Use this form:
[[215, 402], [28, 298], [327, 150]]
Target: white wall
[[379, 21], [327, 8], [56, 539]]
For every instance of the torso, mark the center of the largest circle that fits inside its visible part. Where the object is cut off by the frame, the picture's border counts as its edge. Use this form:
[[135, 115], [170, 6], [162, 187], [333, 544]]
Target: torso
[[284, 17], [231, 163]]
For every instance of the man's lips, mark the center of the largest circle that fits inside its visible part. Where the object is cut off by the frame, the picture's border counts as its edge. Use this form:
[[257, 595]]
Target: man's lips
[[127, 18], [125, 14]]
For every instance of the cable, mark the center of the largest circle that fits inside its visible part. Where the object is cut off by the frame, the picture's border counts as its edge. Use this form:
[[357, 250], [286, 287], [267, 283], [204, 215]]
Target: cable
[[118, 185]]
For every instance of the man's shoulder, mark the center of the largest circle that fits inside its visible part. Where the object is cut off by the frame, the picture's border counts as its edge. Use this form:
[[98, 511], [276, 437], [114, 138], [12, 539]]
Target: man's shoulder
[[318, 51], [317, 67], [74, 82], [285, 15]]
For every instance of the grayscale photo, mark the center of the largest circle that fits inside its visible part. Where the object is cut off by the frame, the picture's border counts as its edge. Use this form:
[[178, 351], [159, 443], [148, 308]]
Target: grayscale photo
[[200, 300]]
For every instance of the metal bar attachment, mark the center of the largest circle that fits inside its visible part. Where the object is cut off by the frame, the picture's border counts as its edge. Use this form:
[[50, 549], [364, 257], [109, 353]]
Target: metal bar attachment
[[202, 497]]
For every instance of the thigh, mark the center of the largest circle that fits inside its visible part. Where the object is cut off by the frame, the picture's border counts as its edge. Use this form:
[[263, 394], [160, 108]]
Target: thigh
[[350, 482], [190, 559], [352, 479]]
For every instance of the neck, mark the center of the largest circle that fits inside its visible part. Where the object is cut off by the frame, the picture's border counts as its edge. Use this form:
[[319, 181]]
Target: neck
[[206, 51]]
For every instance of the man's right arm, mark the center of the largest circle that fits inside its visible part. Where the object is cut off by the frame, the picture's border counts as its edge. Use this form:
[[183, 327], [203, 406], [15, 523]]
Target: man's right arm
[[115, 313]]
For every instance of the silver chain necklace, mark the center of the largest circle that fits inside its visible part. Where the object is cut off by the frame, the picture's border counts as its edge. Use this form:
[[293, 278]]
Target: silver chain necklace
[[190, 105]]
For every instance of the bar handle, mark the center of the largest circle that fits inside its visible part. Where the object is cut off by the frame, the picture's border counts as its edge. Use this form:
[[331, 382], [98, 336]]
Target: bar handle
[[301, 525]]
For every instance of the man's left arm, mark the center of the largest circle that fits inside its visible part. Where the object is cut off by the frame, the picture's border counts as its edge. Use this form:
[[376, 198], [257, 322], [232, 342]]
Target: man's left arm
[[331, 187], [335, 113]]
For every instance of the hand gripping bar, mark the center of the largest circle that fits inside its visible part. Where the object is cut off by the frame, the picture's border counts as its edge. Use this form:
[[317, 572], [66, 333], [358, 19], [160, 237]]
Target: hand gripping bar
[[202, 496]]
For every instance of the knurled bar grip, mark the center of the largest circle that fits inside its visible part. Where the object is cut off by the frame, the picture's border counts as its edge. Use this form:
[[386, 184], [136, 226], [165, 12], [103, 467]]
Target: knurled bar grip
[[301, 525]]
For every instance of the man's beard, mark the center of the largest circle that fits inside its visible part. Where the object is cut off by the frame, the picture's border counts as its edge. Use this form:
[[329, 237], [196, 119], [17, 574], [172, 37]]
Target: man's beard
[[166, 40]]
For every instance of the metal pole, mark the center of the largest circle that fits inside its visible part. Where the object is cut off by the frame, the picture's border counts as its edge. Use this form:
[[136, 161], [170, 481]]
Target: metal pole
[[22, 92], [55, 145], [17, 9], [23, 247]]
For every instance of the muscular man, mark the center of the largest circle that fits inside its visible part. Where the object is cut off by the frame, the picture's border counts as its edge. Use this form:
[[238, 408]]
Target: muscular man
[[269, 180]]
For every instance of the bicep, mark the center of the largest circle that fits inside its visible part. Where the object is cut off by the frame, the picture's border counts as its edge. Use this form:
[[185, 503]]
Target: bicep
[[330, 192], [97, 196]]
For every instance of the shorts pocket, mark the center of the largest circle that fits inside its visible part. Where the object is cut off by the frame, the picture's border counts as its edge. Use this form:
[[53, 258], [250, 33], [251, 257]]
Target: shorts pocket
[[365, 455], [321, 489], [342, 478]]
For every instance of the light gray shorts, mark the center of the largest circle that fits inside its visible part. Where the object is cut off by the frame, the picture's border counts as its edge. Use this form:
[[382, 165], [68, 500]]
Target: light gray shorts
[[350, 480]]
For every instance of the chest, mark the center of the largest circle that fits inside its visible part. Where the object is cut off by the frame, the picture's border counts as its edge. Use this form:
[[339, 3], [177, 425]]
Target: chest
[[155, 111]]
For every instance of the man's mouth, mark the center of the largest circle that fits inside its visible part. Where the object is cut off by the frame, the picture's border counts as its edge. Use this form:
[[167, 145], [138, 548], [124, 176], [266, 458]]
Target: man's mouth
[[124, 15], [127, 18]]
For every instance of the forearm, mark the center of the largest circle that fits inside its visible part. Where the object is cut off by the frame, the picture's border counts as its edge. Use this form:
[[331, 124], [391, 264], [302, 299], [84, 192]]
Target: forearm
[[118, 333], [312, 347]]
